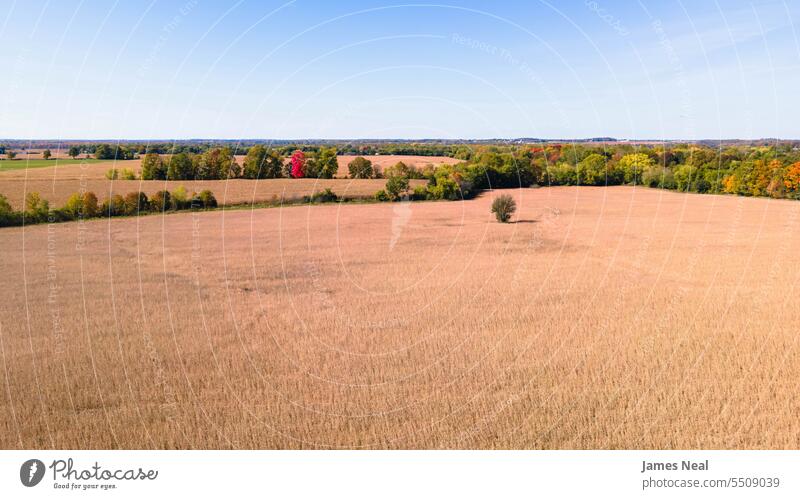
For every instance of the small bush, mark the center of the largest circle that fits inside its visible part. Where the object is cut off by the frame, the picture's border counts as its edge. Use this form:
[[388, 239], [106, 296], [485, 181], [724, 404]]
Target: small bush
[[128, 174], [503, 207], [420, 193], [8, 217], [326, 196], [180, 199], [381, 196], [112, 174], [204, 200]]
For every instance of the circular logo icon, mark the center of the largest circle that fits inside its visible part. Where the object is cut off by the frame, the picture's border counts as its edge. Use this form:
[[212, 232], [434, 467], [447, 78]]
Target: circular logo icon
[[31, 472]]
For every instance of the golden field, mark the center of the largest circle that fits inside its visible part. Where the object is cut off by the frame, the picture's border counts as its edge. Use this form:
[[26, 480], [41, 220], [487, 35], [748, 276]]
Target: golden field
[[604, 318], [57, 183]]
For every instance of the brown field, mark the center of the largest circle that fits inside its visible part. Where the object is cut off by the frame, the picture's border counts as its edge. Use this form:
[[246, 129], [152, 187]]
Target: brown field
[[58, 183], [605, 318], [97, 171], [227, 192], [381, 162]]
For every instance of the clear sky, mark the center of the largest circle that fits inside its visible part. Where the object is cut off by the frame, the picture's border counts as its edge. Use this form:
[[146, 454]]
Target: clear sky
[[379, 69]]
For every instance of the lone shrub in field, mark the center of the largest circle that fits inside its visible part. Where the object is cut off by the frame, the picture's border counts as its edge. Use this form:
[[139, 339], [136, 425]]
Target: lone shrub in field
[[326, 196], [112, 174], [128, 174], [503, 207], [381, 196]]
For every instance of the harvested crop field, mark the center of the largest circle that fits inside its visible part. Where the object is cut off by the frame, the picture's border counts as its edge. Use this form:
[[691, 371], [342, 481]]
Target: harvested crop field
[[382, 162], [604, 318], [96, 170], [235, 191], [58, 182]]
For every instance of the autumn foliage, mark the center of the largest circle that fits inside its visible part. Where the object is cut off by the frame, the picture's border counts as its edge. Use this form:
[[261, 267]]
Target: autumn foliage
[[298, 160]]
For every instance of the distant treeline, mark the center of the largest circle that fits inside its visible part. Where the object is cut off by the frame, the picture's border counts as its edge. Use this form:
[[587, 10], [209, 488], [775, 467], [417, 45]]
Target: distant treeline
[[110, 151], [744, 170]]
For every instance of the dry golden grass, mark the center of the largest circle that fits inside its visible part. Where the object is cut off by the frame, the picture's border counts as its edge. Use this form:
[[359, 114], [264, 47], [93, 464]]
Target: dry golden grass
[[58, 183], [606, 318], [381, 162], [237, 191], [97, 171]]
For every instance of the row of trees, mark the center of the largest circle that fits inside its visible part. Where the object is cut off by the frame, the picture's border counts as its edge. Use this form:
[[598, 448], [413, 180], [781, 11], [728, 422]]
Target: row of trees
[[259, 163], [86, 205], [129, 150], [744, 170]]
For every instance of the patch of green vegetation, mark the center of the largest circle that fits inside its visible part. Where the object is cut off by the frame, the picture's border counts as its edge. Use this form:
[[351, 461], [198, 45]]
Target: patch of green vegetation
[[21, 164]]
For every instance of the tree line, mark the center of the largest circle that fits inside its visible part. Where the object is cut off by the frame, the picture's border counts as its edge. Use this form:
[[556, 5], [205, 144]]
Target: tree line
[[85, 205], [744, 170]]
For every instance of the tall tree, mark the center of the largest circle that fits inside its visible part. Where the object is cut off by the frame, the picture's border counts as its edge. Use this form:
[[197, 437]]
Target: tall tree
[[298, 164], [153, 167]]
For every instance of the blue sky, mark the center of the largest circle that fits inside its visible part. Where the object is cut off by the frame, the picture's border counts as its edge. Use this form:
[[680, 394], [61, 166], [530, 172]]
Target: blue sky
[[378, 69]]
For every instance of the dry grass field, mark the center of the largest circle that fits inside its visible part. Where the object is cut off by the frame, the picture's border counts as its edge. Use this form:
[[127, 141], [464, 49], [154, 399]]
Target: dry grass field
[[604, 318], [236, 191], [58, 183]]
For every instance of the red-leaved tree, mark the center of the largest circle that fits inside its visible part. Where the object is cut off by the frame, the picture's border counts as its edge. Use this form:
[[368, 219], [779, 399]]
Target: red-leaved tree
[[298, 164]]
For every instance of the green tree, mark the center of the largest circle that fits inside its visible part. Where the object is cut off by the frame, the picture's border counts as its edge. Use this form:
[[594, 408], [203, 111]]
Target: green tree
[[10, 154], [37, 208], [153, 167], [5, 206], [103, 151], [634, 165], [216, 164], [326, 164], [46, 154], [180, 167], [261, 162], [360, 168], [73, 152], [74, 206], [180, 199], [205, 200], [396, 187], [592, 170]]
